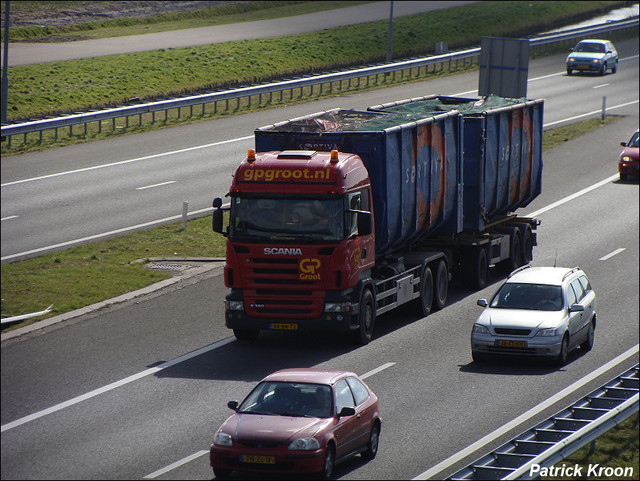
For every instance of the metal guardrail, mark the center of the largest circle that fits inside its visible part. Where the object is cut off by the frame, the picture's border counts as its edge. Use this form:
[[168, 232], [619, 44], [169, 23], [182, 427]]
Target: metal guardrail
[[561, 435], [537, 43]]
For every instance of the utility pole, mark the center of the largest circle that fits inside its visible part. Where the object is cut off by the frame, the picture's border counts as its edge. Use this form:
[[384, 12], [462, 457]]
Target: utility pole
[[5, 65], [390, 33]]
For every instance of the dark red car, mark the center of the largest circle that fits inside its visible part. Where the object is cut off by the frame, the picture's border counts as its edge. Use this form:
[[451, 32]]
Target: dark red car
[[628, 162], [298, 421]]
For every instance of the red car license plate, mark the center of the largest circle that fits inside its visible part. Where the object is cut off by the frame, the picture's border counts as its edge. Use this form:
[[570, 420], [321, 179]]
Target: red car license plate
[[509, 343], [252, 458]]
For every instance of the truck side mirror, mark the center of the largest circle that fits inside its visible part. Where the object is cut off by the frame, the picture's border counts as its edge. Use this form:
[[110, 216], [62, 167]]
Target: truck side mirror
[[216, 218], [364, 223]]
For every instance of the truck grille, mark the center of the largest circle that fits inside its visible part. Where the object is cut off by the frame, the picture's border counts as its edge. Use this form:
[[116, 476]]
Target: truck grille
[[274, 289]]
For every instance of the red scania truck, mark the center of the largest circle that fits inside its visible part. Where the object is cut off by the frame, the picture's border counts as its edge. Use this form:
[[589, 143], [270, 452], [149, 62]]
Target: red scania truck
[[340, 216]]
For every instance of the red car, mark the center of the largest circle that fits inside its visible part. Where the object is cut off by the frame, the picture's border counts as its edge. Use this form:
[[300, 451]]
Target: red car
[[298, 421], [628, 162]]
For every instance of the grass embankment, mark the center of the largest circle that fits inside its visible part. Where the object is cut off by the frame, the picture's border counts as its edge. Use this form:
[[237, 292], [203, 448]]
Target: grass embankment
[[77, 85], [617, 448]]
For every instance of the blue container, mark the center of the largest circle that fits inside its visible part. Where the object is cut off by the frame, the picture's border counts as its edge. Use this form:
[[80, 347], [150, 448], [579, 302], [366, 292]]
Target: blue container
[[502, 151], [415, 167]]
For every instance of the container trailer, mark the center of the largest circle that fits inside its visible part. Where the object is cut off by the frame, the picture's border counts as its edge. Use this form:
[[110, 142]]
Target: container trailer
[[340, 216]]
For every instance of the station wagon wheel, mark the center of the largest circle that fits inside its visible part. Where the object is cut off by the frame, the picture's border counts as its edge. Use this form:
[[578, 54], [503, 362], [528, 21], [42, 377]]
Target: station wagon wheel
[[374, 439], [561, 360], [569, 71], [614, 69], [603, 70], [588, 342]]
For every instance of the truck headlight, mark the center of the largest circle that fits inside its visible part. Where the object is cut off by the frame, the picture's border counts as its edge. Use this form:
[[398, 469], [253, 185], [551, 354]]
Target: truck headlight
[[337, 307], [233, 305], [305, 444], [222, 439]]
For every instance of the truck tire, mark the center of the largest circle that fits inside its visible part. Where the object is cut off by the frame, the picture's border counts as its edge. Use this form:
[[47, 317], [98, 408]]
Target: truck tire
[[441, 285], [246, 334], [527, 244], [476, 268], [366, 318], [426, 291], [515, 252]]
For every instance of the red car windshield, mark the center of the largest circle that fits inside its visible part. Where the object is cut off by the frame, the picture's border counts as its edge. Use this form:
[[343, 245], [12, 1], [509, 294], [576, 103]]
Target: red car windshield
[[289, 399]]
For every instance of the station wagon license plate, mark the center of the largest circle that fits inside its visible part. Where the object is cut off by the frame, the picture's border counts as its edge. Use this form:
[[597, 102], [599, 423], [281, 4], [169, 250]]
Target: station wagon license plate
[[284, 326], [251, 458], [510, 343]]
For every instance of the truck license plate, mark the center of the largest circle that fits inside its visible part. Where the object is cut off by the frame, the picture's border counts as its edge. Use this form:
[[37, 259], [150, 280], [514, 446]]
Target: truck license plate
[[509, 343], [251, 458], [285, 326]]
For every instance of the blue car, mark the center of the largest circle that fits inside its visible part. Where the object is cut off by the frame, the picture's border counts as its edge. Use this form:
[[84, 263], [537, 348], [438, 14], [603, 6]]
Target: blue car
[[593, 55]]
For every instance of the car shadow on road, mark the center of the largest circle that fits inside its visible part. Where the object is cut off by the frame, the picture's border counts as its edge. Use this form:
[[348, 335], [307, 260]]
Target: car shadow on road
[[519, 366]]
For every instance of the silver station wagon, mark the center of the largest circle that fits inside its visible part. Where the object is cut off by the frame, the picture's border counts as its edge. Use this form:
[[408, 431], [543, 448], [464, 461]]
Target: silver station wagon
[[538, 311]]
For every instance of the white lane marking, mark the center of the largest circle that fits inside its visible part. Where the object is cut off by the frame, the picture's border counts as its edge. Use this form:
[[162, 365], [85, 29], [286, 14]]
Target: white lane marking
[[177, 464], [104, 234], [573, 196], [114, 385], [600, 86], [593, 112], [193, 456], [122, 162], [526, 416], [156, 185], [9, 218], [377, 370], [611, 254]]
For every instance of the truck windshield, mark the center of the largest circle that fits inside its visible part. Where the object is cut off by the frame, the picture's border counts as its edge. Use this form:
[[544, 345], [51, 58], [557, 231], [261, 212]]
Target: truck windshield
[[282, 220]]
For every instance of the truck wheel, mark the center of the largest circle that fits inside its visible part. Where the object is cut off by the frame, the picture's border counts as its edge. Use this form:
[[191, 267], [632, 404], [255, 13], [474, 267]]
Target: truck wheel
[[221, 473], [515, 252], [426, 291], [367, 318], [477, 268], [441, 285], [246, 334], [527, 244], [516, 249]]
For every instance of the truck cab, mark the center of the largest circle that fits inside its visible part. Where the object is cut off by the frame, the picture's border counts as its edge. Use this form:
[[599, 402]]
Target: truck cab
[[300, 241]]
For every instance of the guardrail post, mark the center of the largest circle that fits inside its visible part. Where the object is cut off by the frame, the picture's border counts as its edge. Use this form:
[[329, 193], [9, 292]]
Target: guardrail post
[[185, 206], [604, 107]]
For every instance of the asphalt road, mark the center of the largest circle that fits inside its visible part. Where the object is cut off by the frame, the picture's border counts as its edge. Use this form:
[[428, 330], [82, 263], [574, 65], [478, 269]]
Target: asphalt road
[[127, 391], [131, 421], [116, 184], [24, 53]]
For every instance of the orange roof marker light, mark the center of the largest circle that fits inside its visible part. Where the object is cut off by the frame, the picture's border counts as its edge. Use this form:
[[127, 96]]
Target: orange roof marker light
[[251, 155], [334, 157]]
